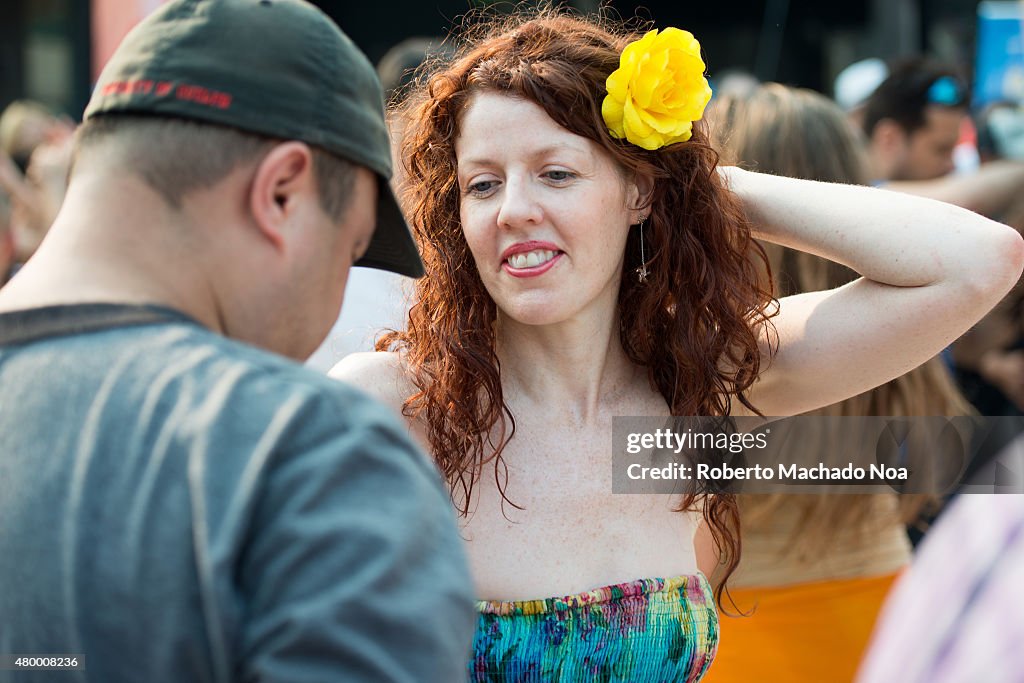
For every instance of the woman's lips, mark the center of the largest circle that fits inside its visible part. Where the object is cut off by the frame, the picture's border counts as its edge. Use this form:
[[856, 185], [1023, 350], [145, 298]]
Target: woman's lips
[[532, 271]]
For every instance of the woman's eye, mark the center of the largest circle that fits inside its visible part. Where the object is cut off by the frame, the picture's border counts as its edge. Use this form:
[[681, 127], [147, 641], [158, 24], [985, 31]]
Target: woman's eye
[[481, 187], [559, 176]]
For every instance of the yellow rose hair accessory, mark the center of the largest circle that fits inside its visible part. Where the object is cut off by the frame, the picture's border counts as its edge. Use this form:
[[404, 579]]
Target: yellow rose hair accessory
[[658, 91]]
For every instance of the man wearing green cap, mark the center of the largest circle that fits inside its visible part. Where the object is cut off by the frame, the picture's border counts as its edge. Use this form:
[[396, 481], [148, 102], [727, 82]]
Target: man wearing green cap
[[177, 504]]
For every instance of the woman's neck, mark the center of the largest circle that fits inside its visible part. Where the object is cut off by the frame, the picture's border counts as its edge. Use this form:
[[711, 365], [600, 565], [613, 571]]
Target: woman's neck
[[577, 365]]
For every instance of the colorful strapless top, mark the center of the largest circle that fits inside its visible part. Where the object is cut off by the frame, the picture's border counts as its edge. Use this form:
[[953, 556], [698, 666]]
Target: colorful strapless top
[[659, 630]]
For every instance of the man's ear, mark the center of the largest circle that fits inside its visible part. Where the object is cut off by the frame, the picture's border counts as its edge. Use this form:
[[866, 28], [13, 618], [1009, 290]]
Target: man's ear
[[283, 178], [888, 136]]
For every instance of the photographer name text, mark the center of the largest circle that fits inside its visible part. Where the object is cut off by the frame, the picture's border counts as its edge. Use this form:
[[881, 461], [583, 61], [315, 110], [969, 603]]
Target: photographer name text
[[782, 472]]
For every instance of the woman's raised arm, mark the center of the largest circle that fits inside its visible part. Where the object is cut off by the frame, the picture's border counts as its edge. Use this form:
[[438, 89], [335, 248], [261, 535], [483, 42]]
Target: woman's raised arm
[[930, 271]]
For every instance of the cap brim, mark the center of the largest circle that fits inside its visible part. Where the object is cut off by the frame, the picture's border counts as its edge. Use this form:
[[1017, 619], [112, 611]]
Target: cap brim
[[392, 246]]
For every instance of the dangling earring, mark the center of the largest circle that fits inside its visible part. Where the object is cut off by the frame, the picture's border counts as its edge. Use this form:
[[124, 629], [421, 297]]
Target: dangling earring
[[642, 272]]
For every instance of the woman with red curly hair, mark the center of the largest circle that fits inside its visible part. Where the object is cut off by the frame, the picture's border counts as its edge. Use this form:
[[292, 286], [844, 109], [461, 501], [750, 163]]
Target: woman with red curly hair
[[587, 258]]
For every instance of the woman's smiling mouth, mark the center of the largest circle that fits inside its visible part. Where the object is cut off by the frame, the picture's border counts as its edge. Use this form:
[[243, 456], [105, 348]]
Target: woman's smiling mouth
[[529, 259]]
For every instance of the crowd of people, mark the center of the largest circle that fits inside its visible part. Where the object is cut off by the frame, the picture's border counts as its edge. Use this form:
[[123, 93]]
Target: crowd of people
[[568, 224]]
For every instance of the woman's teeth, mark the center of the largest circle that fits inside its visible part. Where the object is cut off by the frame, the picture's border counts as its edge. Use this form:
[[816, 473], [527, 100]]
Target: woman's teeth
[[529, 259]]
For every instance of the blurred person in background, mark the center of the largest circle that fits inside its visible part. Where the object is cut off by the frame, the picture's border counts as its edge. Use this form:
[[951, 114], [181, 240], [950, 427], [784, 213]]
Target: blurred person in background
[[400, 66], [24, 125], [815, 568], [734, 83], [35, 159], [913, 123], [955, 616], [855, 83]]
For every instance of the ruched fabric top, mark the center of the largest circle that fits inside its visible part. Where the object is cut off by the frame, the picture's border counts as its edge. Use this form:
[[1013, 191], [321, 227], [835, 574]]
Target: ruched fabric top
[[662, 630]]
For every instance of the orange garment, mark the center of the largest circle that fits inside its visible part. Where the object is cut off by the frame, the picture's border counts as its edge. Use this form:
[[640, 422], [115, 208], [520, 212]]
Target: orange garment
[[810, 632]]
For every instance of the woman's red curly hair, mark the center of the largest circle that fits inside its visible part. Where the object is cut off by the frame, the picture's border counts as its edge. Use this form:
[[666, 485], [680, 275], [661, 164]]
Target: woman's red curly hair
[[694, 324]]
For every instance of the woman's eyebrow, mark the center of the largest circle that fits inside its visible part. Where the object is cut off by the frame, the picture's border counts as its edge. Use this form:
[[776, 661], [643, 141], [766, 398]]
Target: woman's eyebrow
[[556, 148], [533, 154]]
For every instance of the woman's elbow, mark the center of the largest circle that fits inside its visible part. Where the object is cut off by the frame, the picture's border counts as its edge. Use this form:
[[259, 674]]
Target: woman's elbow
[[1002, 265]]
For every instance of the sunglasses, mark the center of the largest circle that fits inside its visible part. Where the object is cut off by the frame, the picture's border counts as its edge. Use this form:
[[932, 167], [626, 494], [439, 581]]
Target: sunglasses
[[947, 91]]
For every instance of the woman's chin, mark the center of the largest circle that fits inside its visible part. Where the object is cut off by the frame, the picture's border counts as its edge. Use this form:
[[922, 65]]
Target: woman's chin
[[534, 312], [551, 306]]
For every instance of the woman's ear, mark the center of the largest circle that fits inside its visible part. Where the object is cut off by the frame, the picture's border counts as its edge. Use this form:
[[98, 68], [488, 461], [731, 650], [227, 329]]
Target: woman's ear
[[639, 191]]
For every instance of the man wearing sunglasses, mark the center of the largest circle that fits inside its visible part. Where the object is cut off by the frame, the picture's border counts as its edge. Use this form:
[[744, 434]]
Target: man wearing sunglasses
[[913, 121]]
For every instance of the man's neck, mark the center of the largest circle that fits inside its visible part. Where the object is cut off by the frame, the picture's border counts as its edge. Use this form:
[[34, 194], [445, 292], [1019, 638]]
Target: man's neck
[[115, 241]]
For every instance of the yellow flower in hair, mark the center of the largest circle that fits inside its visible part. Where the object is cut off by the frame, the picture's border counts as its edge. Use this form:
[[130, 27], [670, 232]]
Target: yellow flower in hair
[[658, 91]]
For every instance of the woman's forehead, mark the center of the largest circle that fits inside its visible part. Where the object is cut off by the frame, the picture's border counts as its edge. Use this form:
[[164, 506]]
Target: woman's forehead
[[492, 121]]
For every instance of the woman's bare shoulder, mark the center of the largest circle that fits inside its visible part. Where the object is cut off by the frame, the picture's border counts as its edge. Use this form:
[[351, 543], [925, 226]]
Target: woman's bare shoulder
[[383, 375]]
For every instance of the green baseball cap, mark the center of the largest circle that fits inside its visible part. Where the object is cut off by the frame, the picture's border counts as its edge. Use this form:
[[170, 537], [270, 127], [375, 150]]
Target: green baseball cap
[[279, 68]]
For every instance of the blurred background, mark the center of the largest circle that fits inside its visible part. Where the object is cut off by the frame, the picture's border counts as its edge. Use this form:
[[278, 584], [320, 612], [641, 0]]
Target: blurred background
[[52, 50]]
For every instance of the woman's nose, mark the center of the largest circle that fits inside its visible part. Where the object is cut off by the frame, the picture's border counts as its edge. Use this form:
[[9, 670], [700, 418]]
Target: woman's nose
[[519, 204]]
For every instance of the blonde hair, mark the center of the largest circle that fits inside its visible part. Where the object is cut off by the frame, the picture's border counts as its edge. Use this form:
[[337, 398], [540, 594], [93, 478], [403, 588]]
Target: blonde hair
[[795, 133]]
